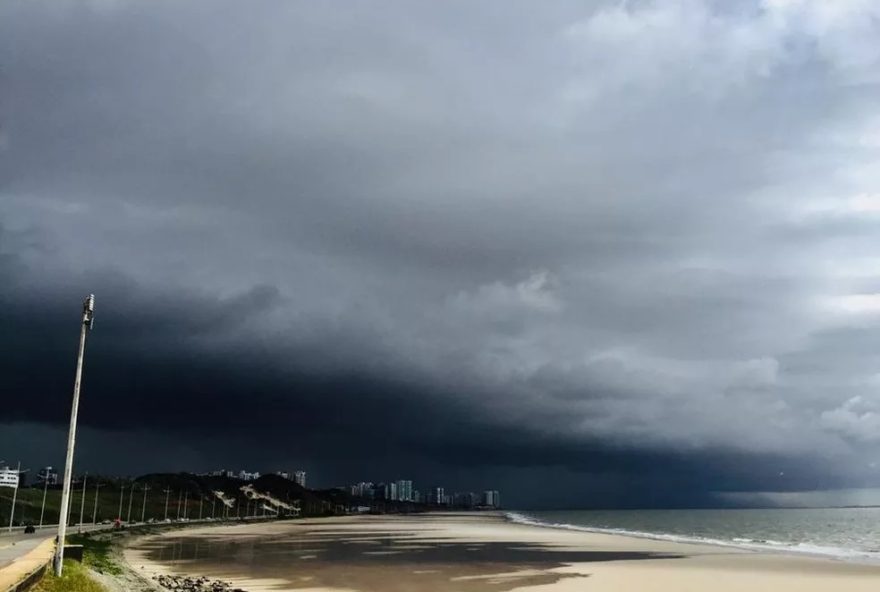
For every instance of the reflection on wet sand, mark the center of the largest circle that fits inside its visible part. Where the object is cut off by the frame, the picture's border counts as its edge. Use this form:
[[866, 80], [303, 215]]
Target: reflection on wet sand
[[388, 561]]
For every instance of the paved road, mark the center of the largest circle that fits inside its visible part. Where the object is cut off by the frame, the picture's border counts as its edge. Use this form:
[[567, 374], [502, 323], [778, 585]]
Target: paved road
[[17, 544], [13, 546], [10, 551]]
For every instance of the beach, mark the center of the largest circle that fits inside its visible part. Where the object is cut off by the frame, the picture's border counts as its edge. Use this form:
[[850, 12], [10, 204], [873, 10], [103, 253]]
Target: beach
[[473, 552]]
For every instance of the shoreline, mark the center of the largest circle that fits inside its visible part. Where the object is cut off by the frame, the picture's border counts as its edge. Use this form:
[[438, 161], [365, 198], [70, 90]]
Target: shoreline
[[474, 553], [833, 553]]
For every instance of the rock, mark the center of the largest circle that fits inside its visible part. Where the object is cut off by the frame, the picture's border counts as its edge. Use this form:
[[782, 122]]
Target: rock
[[194, 584]]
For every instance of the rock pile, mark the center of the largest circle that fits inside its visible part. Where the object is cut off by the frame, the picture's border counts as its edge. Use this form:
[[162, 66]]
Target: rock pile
[[201, 584]]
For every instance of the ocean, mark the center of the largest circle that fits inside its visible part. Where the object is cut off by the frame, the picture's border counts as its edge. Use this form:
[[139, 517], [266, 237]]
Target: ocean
[[842, 533]]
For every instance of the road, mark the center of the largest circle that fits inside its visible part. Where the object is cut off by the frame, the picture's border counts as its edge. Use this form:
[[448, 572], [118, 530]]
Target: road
[[17, 544]]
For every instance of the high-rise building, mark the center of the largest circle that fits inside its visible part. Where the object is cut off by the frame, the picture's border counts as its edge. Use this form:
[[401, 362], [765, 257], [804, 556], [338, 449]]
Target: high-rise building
[[438, 496], [466, 499], [363, 489], [492, 498], [404, 490], [391, 492], [300, 478]]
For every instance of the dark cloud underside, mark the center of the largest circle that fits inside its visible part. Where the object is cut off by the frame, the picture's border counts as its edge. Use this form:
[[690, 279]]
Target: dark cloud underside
[[628, 248]]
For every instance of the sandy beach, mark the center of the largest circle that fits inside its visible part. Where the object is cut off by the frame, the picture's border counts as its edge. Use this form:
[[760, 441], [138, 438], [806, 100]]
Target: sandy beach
[[473, 553]]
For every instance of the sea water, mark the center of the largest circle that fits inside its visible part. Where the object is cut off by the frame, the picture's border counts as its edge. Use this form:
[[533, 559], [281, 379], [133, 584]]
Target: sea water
[[842, 533]]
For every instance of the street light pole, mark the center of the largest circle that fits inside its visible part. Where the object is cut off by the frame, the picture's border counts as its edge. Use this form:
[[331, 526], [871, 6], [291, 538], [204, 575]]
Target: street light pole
[[82, 503], [43, 507], [15, 494], [95, 511], [130, 499], [87, 321], [144, 506], [121, 497], [167, 491]]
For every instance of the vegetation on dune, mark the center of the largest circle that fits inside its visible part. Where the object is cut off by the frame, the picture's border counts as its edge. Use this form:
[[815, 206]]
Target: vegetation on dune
[[97, 552], [75, 578], [188, 495], [30, 500]]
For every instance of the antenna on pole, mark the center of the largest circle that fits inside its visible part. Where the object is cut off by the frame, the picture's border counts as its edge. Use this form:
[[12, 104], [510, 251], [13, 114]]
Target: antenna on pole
[[88, 314]]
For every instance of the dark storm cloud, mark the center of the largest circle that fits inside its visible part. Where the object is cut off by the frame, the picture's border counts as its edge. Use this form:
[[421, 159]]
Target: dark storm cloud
[[628, 241]]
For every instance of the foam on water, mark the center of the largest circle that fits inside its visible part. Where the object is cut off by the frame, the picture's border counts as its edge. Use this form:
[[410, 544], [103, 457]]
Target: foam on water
[[756, 544]]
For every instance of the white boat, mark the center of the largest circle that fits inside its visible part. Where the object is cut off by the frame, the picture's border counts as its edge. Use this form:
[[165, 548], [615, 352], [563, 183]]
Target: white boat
[[9, 478]]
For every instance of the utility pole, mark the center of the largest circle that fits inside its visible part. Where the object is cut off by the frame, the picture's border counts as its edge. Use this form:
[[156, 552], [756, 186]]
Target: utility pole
[[121, 496], [82, 503], [167, 490], [201, 499], [130, 499], [213, 505], [185, 499], [179, 497], [15, 494], [87, 322], [95, 511], [43, 507], [144, 507]]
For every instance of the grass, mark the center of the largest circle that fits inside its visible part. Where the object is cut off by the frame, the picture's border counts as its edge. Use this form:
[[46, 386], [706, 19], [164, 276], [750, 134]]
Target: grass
[[97, 552], [97, 555], [75, 578], [30, 500]]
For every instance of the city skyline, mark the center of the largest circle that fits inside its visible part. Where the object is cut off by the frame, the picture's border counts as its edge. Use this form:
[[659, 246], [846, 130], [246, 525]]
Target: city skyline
[[393, 490]]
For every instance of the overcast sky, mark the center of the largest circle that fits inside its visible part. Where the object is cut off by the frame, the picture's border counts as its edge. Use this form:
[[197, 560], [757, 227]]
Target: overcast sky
[[627, 249]]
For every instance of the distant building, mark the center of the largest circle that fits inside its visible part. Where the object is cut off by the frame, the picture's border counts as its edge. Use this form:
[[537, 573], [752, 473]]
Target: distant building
[[438, 496], [364, 489], [404, 490], [466, 499], [247, 476], [300, 478], [283, 474], [47, 476], [391, 492], [417, 496], [492, 499]]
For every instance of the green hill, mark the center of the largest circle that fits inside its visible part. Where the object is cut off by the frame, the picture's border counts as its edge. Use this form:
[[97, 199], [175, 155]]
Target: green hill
[[188, 495]]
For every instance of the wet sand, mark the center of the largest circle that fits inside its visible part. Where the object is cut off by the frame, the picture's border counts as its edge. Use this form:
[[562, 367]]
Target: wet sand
[[473, 553]]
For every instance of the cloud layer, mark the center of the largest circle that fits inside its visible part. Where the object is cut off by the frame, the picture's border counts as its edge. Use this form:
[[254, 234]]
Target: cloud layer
[[493, 234]]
